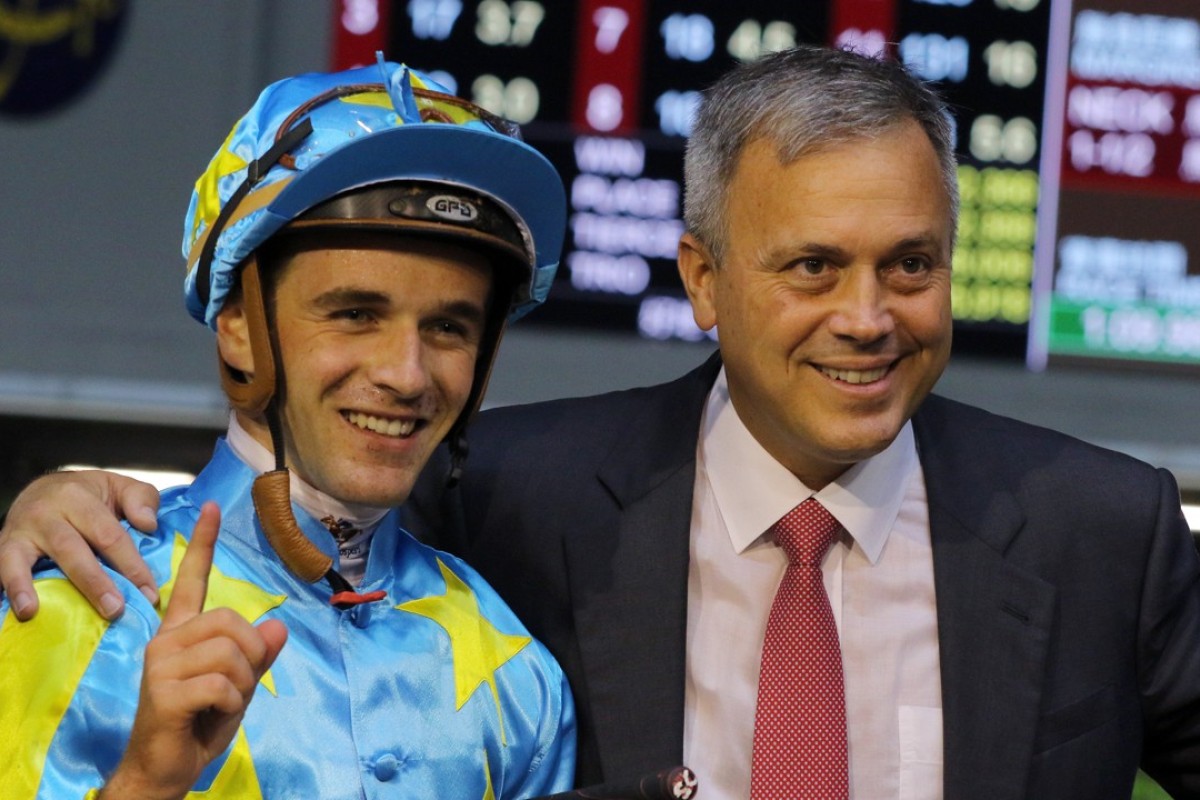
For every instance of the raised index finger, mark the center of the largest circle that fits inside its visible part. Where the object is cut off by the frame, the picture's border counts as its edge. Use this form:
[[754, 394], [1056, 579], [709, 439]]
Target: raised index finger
[[191, 579]]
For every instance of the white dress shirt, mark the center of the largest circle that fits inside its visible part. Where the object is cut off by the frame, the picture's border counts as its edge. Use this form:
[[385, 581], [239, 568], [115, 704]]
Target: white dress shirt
[[879, 578]]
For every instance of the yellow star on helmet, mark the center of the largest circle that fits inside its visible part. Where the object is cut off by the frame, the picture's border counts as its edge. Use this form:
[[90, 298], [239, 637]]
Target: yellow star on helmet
[[225, 162], [247, 599], [478, 648], [373, 98]]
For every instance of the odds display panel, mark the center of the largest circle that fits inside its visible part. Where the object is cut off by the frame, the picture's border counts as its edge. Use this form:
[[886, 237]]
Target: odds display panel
[[606, 89], [1120, 215]]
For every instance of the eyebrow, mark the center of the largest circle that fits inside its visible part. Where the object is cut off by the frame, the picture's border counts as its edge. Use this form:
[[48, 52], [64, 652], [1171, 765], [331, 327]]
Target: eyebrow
[[838, 254], [349, 296], [464, 310], [918, 242]]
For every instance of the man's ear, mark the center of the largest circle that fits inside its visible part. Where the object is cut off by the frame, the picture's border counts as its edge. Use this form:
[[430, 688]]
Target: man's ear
[[698, 270], [233, 338]]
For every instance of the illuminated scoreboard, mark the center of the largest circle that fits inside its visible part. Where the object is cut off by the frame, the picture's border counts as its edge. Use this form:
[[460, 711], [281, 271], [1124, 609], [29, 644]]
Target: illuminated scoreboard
[[607, 89], [1116, 277]]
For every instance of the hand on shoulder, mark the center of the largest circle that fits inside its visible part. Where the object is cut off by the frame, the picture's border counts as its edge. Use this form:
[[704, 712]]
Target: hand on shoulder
[[73, 517]]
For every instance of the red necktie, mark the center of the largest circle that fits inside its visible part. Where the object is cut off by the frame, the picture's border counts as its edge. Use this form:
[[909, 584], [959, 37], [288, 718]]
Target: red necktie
[[800, 723]]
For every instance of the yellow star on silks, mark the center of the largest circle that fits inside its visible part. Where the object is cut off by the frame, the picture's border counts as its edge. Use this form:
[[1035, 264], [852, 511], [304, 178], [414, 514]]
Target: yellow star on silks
[[488, 792], [247, 599], [237, 777], [478, 648]]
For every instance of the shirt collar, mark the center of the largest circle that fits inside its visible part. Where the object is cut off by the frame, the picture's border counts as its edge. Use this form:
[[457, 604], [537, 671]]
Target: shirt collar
[[753, 490]]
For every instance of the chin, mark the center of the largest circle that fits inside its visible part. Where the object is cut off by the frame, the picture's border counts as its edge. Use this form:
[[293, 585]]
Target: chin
[[364, 493], [867, 444]]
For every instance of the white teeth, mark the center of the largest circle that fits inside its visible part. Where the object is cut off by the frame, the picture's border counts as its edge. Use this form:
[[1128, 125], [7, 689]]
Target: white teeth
[[855, 375], [387, 427]]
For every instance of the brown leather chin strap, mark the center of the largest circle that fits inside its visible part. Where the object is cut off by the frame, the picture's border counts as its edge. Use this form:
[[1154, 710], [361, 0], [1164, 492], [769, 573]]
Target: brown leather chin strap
[[272, 490], [273, 503], [252, 395]]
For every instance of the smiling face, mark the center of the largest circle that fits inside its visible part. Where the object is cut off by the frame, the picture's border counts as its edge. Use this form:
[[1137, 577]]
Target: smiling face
[[378, 348], [832, 303]]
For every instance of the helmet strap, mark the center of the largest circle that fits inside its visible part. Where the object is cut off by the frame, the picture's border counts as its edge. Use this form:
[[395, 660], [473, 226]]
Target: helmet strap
[[259, 396], [459, 449], [252, 394], [456, 439]]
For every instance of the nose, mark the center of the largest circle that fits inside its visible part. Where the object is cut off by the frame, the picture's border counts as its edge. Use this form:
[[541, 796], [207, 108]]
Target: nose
[[398, 363], [861, 312]]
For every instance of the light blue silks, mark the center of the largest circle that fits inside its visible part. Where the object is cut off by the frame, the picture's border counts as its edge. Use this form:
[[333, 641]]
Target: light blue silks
[[436, 691]]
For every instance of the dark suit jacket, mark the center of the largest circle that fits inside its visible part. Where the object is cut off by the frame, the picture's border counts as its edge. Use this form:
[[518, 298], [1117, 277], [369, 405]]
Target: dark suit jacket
[[1066, 582]]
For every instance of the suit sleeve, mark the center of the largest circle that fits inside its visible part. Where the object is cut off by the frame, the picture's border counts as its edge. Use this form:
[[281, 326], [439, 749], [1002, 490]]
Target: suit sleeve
[[1169, 650]]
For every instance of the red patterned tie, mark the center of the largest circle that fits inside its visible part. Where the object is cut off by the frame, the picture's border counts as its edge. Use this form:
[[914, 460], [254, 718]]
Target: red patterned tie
[[800, 724]]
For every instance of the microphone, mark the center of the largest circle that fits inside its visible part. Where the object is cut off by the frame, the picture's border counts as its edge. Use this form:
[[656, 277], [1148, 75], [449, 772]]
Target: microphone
[[676, 783]]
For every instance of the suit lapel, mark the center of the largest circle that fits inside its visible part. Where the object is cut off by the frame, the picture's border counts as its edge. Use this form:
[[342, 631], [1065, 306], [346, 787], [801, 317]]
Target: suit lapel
[[994, 619], [631, 615]]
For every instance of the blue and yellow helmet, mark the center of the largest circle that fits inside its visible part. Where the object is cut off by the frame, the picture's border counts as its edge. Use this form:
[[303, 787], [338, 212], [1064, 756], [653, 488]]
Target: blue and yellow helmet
[[316, 137]]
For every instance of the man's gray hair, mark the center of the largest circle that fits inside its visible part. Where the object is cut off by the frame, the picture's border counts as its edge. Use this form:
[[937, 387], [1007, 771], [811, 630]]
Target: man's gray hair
[[802, 100]]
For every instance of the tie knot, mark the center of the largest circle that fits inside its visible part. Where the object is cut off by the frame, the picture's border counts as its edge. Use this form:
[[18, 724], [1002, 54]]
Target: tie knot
[[806, 532]]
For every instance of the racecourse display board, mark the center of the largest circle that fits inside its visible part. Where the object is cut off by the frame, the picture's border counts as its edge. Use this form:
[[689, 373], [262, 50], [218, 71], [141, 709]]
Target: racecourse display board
[[1077, 125]]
